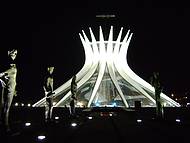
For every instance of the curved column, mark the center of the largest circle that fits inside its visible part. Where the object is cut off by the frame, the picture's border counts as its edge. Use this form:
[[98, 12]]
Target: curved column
[[102, 66], [111, 67]]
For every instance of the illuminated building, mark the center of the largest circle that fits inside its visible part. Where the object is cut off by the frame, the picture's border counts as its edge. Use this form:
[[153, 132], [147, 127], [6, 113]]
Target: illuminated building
[[106, 79]]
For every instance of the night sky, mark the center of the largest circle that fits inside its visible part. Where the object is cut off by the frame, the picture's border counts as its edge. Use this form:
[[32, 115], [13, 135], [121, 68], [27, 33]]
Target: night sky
[[44, 35]]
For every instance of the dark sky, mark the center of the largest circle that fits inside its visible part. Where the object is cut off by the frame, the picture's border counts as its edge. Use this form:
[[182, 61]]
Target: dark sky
[[44, 35]]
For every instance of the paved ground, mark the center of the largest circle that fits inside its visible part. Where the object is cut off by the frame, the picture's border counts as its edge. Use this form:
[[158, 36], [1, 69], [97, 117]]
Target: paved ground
[[105, 125]]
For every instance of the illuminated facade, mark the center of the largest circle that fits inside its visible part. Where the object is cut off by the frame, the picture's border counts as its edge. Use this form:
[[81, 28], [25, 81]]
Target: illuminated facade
[[106, 79]]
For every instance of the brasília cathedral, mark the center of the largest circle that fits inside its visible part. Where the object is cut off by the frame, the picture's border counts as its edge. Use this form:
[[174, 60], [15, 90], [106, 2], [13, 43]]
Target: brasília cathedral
[[106, 78]]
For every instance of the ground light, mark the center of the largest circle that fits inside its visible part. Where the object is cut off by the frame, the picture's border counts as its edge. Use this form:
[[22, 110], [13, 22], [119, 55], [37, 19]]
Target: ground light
[[41, 137], [139, 120], [178, 120], [27, 124], [90, 117], [56, 118], [73, 124]]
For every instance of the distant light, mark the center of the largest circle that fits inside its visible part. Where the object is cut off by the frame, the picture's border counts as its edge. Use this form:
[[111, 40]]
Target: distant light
[[139, 120], [41, 137], [114, 104], [90, 117], [97, 104], [105, 16], [188, 103], [111, 114], [172, 95], [16, 104], [178, 120], [176, 99], [80, 104], [22, 104], [27, 124], [56, 118], [73, 124], [28, 104]]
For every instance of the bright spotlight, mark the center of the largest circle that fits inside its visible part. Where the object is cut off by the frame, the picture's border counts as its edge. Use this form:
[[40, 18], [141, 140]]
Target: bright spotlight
[[28, 104], [73, 124], [56, 118], [41, 137], [139, 120], [178, 120], [90, 117], [27, 124]]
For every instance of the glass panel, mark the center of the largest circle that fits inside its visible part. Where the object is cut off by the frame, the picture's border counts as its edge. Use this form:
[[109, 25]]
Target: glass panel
[[107, 95], [132, 94]]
